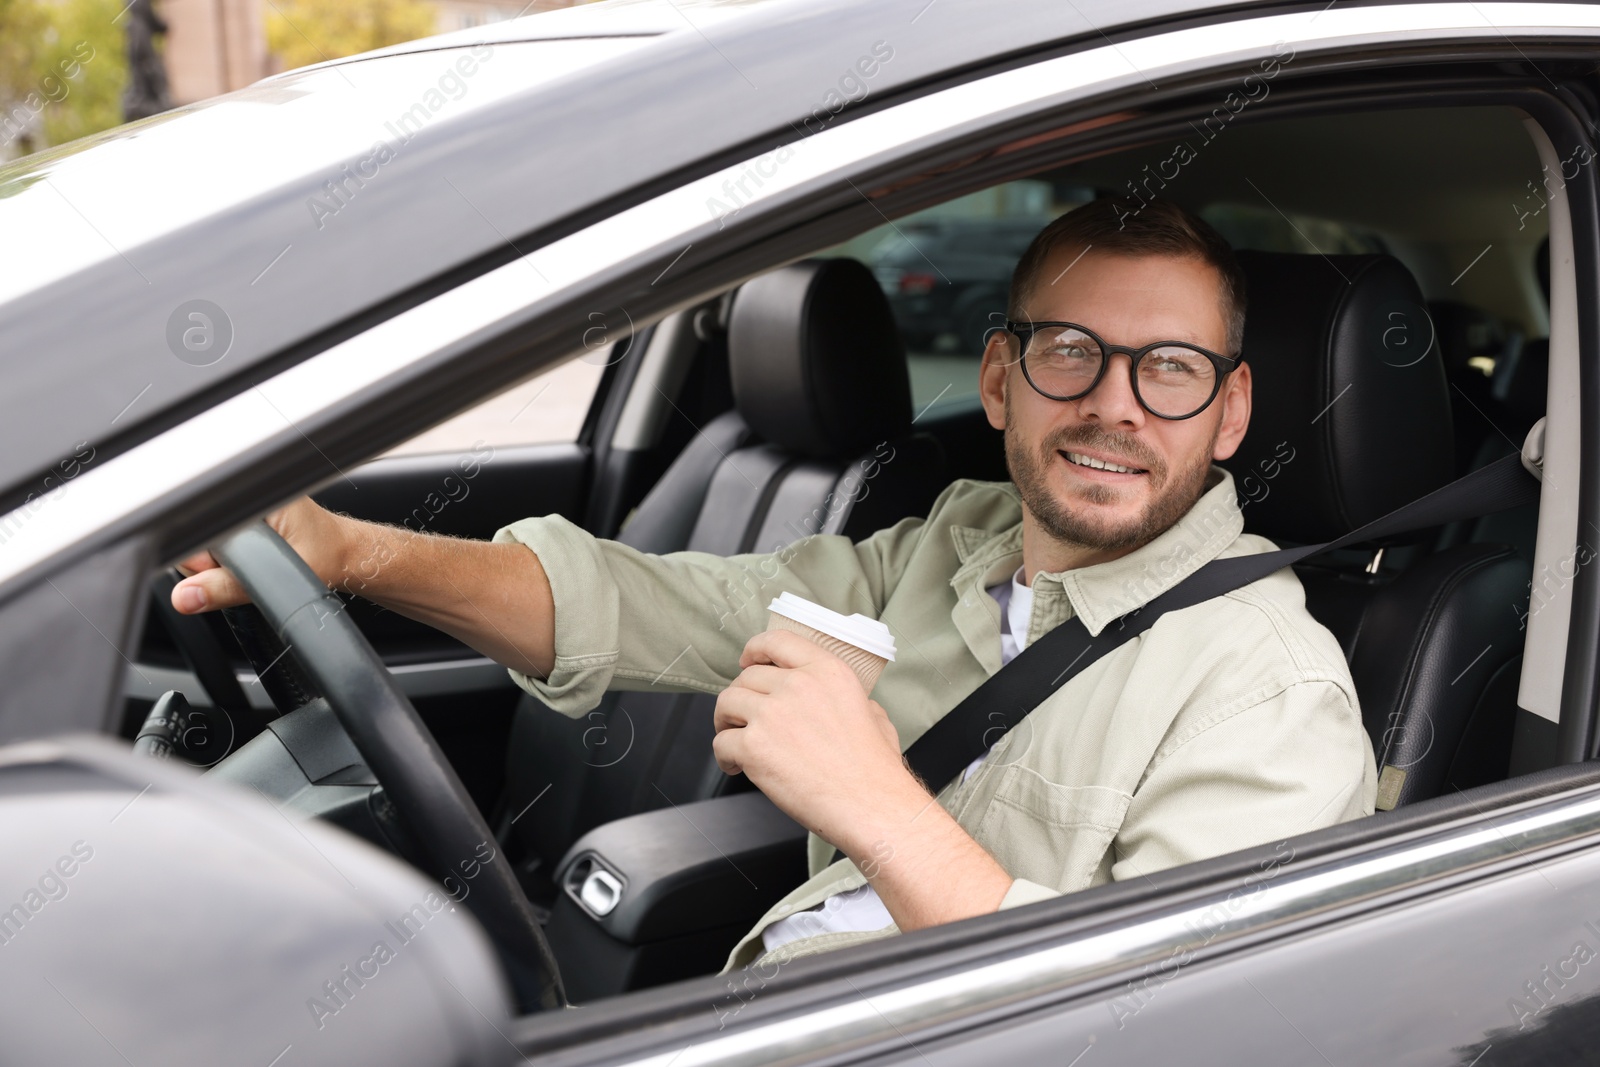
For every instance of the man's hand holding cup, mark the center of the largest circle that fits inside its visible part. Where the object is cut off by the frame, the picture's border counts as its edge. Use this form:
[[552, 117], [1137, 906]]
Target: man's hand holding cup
[[798, 719]]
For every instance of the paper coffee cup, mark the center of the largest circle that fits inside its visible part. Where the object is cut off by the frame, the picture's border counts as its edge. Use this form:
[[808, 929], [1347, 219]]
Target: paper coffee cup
[[865, 644]]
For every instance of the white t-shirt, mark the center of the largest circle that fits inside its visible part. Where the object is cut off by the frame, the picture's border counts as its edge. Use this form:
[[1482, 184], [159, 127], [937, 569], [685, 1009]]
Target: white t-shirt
[[861, 909]]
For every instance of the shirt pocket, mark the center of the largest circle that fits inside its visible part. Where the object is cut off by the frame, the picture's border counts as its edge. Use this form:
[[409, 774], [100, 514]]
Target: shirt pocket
[[1053, 834]]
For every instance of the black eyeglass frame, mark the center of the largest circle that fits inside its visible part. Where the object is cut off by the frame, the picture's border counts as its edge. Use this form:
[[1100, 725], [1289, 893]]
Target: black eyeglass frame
[[1223, 365]]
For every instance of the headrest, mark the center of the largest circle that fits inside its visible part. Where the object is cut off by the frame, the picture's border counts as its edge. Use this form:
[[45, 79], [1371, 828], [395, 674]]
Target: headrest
[[1351, 409], [816, 359]]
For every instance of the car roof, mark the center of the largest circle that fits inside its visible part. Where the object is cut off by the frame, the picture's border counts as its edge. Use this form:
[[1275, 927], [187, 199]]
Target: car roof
[[601, 107], [610, 18]]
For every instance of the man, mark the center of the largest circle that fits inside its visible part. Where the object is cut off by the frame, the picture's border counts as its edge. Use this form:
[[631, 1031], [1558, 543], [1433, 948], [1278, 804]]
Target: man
[[1225, 725]]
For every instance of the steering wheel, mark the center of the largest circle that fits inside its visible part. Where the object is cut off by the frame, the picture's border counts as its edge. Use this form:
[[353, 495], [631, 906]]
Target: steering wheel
[[446, 825]]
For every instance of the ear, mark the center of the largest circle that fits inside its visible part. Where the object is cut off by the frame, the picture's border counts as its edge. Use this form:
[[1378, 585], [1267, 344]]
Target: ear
[[998, 359], [1235, 401]]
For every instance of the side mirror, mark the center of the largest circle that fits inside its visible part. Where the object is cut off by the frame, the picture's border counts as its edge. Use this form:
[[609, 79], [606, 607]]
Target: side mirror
[[182, 921]]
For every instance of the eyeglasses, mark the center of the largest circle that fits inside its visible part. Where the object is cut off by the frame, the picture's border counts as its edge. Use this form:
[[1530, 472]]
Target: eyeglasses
[[1171, 379]]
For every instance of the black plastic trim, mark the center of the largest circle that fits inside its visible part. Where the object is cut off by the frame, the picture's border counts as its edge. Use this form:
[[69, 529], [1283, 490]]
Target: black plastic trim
[[600, 424]]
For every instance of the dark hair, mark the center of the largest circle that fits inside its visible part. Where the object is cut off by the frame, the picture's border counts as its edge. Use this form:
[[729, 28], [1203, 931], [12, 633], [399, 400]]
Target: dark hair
[[1137, 228]]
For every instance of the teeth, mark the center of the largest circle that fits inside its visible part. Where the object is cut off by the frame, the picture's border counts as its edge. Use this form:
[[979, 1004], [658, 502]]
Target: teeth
[[1098, 464]]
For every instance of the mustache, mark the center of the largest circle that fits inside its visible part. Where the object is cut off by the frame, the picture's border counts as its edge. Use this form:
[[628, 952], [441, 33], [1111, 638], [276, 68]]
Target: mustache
[[1127, 449]]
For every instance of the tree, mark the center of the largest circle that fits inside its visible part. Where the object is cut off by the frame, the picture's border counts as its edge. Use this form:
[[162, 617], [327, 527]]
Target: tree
[[302, 32], [62, 69]]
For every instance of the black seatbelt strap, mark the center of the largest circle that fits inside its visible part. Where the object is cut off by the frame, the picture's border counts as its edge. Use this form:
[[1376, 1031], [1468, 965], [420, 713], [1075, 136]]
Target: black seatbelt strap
[[1000, 703]]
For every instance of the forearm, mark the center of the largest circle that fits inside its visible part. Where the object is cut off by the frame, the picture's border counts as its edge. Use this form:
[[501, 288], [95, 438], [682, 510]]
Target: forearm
[[923, 865], [494, 597]]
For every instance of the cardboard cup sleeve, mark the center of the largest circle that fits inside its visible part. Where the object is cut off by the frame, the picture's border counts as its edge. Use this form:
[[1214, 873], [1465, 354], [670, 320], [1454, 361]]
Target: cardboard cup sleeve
[[867, 666]]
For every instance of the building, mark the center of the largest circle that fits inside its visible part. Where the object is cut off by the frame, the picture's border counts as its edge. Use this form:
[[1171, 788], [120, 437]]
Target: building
[[215, 46]]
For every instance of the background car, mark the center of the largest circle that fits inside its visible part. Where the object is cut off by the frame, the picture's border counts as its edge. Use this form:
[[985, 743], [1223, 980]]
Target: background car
[[614, 197], [946, 279]]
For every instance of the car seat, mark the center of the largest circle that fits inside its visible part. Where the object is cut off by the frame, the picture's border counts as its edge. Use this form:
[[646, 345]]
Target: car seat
[[820, 441]]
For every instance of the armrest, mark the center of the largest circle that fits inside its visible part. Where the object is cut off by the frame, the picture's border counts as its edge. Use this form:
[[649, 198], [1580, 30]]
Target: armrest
[[685, 869]]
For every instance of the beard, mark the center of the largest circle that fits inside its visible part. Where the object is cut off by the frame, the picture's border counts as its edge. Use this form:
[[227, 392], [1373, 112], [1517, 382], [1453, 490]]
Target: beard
[[1069, 522]]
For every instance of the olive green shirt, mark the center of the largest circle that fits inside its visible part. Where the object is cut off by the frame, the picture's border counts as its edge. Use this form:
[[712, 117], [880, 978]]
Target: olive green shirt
[[1225, 725]]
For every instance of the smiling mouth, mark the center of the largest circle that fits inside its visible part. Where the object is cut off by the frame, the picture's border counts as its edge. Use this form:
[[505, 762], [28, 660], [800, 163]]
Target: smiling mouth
[[1081, 460]]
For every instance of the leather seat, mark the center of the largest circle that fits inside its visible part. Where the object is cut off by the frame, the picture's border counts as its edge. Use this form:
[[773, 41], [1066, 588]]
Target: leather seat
[[820, 441], [1343, 388]]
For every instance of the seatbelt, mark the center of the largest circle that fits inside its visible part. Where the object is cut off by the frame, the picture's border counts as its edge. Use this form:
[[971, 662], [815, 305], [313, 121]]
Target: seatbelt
[[1006, 698]]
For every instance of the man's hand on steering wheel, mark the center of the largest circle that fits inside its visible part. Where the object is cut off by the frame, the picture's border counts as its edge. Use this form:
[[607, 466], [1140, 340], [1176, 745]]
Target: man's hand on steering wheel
[[445, 826], [492, 596], [318, 535]]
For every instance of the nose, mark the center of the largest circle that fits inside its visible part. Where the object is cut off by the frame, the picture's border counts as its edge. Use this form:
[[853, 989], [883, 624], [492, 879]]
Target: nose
[[1112, 402]]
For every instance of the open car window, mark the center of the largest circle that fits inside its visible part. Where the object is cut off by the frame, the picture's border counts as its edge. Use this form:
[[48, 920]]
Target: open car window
[[959, 256], [1485, 315]]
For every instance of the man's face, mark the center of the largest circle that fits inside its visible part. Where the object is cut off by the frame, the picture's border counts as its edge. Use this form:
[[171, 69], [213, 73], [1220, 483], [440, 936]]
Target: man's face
[[1133, 301]]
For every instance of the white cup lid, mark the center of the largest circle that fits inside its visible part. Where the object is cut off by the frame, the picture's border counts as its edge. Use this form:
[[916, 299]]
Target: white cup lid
[[869, 635]]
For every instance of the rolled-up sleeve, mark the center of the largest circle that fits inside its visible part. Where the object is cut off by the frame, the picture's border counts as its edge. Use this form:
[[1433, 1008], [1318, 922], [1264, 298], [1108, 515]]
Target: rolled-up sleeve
[[626, 619], [1024, 892], [586, 618]]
